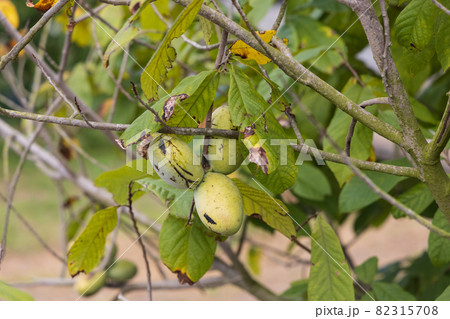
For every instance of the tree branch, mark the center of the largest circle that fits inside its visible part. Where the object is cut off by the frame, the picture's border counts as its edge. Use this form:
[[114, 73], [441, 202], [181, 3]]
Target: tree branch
[[299, 73], [113, 126], [440, 6], [377, 190]]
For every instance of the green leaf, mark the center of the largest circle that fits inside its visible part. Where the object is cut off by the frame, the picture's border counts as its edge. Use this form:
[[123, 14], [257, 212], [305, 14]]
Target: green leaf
[[279, 100], [312, 183], [200, 88], [423, 113], [156, 70], [367, 270], [207, 29], [190, 112], [117, 181], [417, 198], [9, 293], [330, 278], [414, 26], [273, 212], [320, 44], [126, 34], [186, 250], [442, 42], [179, 200], [439, 247], [390, 292], [86, 252], [445, 296], [356, 194], [248, 109], [297, 290]]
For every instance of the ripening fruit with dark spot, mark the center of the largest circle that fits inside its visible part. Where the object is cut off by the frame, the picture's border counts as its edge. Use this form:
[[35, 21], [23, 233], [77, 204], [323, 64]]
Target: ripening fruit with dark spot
[[219, 204], [120, 272], [224, 154], [175, 162], [89, 285]]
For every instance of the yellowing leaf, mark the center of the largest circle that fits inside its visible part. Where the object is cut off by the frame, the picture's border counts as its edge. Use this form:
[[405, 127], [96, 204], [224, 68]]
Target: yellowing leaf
[[273, 212], [42, 5], [8, 9], [243, 50], [86, 252]]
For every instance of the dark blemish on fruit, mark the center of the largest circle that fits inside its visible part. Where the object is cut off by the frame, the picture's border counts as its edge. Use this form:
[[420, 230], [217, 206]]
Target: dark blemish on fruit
[[162, 146], [209, 219]]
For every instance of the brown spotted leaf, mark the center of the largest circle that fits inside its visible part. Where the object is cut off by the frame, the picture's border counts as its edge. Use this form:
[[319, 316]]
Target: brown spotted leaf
[[170, 104], [187, 250]]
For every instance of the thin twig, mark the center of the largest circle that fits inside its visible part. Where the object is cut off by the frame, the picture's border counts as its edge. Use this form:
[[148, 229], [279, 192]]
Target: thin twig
[[280, 16], [440, 6], [350, 68], [252, 30], [81, 113], [242, 238], [141, 243], [117, 2], [67, 42], [54, 85], [306, 222], [351, 129], [148, 107], [298, 243]]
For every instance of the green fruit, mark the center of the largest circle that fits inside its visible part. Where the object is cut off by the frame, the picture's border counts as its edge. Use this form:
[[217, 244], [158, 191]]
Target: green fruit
[[121, 272], [174, 161], [224, 153], [112, 256], [90, 284], [219, 204]]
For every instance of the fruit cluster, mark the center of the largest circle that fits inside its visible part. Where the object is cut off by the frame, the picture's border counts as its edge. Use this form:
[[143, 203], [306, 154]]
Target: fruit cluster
[[218, 201]]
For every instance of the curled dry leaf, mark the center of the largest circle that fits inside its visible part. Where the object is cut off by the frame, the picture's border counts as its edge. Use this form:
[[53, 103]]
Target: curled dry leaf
[[257, 155], [42, 5], [142, 148], [248, 131], [169, 105]]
